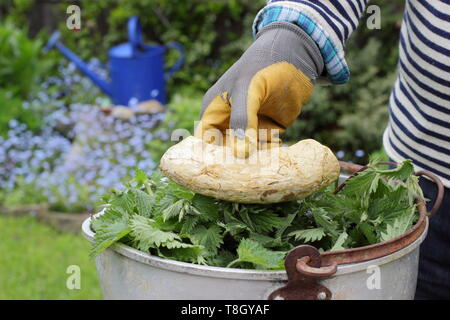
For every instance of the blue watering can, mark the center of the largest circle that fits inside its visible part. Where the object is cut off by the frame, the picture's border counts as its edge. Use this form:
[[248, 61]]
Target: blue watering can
[[136, 70]]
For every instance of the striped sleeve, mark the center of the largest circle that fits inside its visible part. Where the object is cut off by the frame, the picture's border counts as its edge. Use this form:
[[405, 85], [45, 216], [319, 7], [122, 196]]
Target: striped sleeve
[[328, 22], [419, 108]]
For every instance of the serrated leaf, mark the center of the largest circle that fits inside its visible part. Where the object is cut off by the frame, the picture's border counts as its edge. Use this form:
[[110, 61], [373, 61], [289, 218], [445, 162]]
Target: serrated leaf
[[308, 235], [339, 244], [383, 188], [265, 221], [287, 222], [189, 223], [173, 210], [144, 203], [147, 236], [400, 225], [234, 228], [322, 220], [372, 207], [186, 253], [403, 171], [253, 252], [222, 259], [232, 225], [267, 241], [369, 232], [414, 189], [210, 238], [207, 207], [175, 244], [109, 228], [180, 192], [140, 177], [365, 182], [125, 200]]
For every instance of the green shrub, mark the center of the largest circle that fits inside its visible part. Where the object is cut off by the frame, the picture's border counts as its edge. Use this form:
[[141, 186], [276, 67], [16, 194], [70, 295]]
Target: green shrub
[[25, 193], [22, 68], [214, 33]]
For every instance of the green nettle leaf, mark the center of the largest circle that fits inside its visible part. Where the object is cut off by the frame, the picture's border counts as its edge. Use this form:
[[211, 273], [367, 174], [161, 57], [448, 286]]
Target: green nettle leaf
[[383, 189], [380, 207], [369, 232], [181, 192], [186, 253], [140, 177], [125, 201], [340, 242], [322, 220], [173, 210], [283, 226], [144, 203], [414, 189], [266, 221], [400, 225], [245, 218], [308, 235], [222, 259], [271, 242], [253, 252], [109, 228], [210, 238], [156, 215], [147, 236], [232, 225], [392, 204], [402, 172], [234, 228], [207, 207], [364, 182], [189, 223]]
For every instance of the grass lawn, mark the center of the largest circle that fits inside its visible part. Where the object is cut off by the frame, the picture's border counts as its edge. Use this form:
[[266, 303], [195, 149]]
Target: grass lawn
[[34, 259]]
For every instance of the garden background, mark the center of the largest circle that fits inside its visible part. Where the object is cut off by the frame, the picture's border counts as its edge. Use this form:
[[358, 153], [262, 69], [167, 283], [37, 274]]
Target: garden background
[[59, 152]]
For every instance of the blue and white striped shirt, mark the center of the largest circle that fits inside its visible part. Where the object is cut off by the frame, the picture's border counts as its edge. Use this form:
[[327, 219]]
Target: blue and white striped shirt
[[419, 108]]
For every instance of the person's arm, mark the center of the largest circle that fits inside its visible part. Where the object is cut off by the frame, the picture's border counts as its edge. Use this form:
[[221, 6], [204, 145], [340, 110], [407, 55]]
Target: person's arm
[[296, 42], [328, 22]]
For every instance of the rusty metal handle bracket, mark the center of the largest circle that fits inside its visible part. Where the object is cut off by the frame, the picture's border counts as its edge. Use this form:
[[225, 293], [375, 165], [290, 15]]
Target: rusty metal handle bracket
[[322, 272], [304, 269]]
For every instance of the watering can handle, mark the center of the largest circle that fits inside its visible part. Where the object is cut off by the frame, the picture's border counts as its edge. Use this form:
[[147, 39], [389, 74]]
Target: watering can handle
[[179, 63], [135, 33]]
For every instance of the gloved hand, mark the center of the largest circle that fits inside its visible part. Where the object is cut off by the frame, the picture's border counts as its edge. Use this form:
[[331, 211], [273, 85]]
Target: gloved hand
[[265, 89]]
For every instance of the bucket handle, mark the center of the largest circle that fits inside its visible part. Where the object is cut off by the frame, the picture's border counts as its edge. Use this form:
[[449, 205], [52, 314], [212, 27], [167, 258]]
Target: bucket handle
[[355, 168], [440, 194], [177, 66], [135, 34], [304, 270]]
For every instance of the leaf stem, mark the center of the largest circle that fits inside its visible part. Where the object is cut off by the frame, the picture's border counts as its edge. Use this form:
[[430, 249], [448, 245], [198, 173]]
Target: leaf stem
[[233, 263], [148, 188]]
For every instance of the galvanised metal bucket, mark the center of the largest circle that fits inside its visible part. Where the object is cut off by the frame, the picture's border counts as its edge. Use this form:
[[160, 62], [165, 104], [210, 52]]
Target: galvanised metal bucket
[[126, 273], [386, 270]]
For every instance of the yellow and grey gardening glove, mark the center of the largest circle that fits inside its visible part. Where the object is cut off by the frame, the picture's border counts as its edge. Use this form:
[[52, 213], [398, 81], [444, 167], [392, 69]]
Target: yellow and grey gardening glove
[[265, 89]]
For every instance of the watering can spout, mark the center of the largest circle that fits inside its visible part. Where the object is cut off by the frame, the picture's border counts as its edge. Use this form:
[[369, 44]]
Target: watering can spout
[[136, 70], [80, 64]]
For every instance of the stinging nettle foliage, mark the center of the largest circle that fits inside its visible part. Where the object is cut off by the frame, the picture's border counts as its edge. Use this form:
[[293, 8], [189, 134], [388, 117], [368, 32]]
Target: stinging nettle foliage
[[157, 216]]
